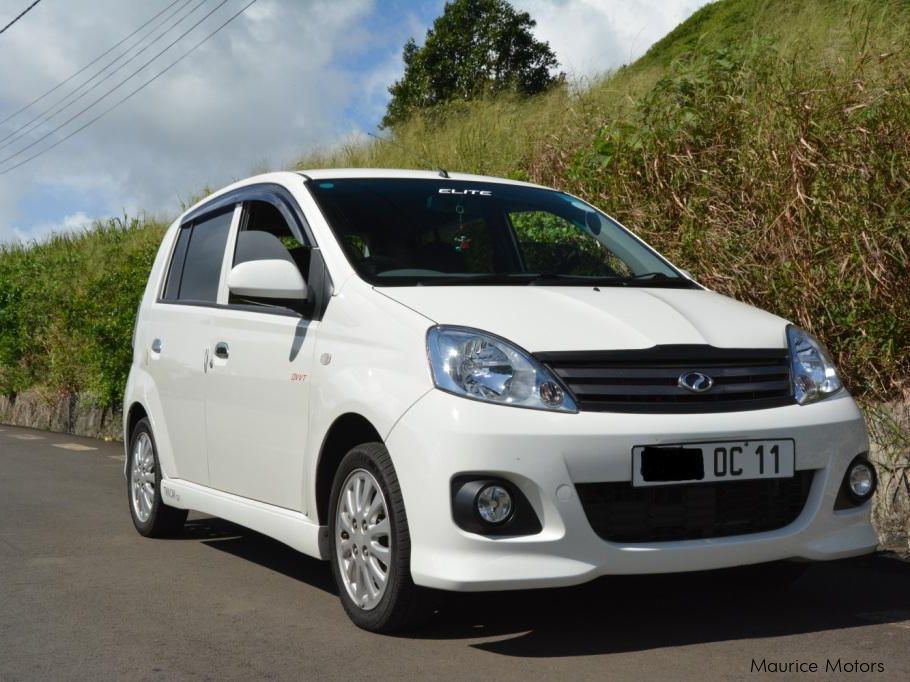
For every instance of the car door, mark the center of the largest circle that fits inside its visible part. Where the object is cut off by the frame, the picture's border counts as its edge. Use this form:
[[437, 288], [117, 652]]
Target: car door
[[258, 381], [179, 330]]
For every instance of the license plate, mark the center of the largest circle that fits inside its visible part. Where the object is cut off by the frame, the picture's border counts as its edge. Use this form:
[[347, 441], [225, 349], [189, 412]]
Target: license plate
[[708, 462]]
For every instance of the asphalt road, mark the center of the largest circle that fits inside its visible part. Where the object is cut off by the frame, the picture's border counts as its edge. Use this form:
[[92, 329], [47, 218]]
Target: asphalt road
[[83, 596]]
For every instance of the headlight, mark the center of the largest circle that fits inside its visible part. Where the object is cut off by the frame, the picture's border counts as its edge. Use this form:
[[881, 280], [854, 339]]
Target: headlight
[[477, 365], [814, 374]]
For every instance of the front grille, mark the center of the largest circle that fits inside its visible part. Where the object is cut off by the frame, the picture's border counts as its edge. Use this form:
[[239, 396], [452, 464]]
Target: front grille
[[648, 380], [619, 512]]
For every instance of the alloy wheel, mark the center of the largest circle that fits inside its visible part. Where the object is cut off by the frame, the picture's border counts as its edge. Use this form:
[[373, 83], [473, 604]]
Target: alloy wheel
[[363, 542], [142, 477]]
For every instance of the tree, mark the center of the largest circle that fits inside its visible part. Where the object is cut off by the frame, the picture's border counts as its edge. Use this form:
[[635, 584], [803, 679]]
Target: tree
[[476, 47]]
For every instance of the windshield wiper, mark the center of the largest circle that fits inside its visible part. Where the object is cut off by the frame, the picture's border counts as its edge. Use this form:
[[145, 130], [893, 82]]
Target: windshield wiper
[[517, 278], [651, 275], [484, 278], [657, 279], [645, 279], [557, 278], [650, 279]]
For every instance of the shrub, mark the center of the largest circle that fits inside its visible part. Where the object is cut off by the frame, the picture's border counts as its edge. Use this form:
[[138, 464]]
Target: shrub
[[67, 307]]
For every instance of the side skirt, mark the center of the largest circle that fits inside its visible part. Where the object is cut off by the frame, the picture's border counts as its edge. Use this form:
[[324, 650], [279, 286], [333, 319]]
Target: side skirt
[[290, 527]]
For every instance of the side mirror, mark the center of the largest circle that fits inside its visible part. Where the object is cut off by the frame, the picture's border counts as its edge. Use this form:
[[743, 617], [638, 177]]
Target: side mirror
[[279, 279]]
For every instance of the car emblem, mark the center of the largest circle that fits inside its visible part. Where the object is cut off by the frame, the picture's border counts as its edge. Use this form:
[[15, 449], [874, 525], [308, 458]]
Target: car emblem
[[695, 382]]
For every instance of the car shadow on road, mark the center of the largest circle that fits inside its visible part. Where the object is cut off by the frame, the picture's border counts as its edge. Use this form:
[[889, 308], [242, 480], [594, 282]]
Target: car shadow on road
[[640, 613], [627, 613], [259, 549]]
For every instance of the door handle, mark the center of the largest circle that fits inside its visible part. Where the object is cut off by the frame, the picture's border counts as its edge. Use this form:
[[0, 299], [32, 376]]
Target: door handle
[[222, 351], [156, 346]]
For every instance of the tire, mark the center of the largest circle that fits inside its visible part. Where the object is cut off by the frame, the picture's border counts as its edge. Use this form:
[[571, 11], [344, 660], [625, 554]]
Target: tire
[[397, 607], [151, 517]]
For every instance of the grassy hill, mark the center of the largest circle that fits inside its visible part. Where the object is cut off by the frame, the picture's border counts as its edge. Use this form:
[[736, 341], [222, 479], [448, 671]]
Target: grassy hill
[[763, 144]]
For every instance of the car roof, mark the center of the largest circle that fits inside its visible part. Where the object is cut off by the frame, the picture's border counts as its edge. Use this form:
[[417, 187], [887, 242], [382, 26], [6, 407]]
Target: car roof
[[343, 173]]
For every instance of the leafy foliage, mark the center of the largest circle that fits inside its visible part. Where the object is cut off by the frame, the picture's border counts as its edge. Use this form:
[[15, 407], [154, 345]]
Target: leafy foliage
[[475, 48], [67, 308]]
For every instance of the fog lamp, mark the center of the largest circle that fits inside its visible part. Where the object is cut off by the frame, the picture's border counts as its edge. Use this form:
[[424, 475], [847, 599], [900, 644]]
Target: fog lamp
[[494, 504], [861, 480]]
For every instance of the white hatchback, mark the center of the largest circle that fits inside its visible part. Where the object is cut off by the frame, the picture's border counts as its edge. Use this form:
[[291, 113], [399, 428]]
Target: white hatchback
[[467, 383]]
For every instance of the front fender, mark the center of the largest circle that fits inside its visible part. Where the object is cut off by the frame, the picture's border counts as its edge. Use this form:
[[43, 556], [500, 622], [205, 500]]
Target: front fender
[[370, 360]]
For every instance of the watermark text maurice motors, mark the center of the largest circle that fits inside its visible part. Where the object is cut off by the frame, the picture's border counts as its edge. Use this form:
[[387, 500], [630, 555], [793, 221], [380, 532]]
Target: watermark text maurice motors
[[829, 665]]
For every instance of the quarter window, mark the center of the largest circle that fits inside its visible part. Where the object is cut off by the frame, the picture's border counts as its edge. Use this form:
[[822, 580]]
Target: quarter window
[[266, 235], [261, 216]]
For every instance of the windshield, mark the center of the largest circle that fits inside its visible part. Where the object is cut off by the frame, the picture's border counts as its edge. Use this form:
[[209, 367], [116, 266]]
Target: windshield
[[447, 232]]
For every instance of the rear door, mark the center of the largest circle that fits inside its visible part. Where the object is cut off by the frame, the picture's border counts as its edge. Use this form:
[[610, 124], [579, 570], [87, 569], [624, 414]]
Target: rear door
[[258, 381], [179, 323]]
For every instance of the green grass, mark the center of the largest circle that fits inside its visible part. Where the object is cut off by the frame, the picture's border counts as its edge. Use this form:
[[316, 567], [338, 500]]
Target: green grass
[[763, 144]]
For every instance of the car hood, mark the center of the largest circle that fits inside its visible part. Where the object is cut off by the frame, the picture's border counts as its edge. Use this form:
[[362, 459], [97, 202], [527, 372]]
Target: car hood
[[548, 318]]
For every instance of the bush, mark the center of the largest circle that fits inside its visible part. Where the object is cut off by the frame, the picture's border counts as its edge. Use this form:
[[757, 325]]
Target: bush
[[784, 187], [67, 308]]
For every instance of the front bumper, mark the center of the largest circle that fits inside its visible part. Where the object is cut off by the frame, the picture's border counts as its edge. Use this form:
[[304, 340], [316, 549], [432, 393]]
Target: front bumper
[[546, 454]]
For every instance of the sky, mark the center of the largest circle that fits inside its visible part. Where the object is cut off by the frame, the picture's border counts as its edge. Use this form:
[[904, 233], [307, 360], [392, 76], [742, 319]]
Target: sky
[[285, 77]]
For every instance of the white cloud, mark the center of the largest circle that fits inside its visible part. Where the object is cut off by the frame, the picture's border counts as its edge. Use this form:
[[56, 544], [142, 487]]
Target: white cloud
[[70, 223], [263, 90], [287, 76], [593, 36]]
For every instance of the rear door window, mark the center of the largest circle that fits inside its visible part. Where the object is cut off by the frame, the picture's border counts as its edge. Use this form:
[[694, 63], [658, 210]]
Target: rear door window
[[175, 273], [201, 270]]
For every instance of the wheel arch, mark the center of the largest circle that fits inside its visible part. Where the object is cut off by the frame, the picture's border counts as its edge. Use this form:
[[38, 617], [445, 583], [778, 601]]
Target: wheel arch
[[134, 415], [347, 431]]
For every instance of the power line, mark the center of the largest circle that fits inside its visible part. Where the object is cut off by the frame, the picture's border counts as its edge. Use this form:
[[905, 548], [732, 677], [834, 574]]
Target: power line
[[47, 114], [44, 116], [116, 87], [133, 92], [90, 64], [21, 14]]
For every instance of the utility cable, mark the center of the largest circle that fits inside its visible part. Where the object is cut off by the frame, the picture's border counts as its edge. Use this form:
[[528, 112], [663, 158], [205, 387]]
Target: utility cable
[[45, 116], [20, 15], [113, 89], [132, 93], [90, 64]]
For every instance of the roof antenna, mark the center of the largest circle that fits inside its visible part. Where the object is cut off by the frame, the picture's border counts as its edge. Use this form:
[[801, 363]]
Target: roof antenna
[[443, 173]]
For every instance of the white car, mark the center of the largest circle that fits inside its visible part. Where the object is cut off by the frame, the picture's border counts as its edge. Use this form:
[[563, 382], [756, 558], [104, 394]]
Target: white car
[[467, 383]]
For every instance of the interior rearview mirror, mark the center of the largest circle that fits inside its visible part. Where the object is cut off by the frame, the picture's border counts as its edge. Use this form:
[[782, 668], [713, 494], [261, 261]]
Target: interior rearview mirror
[[273, 279]]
